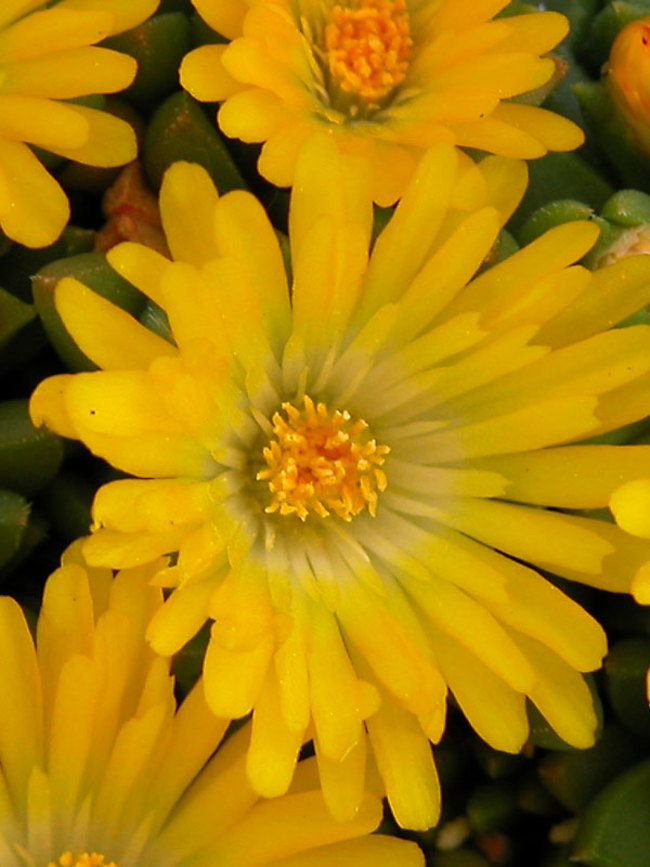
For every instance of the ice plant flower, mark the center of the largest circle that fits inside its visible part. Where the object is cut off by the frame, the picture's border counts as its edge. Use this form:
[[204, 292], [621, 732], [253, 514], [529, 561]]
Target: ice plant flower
[[385, 78], [48, 56], [100, 768], [628, 74], [353, 475]]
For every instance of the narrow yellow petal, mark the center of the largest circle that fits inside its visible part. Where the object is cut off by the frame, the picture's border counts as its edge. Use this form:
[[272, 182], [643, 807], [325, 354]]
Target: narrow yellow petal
[[21, 734], [33, 207], [478, 691], [274, 747], [71, 73], [203, 75], [141, 266], [188, 201], [406, 766], [561, 695], [29, 36], [110, 337]]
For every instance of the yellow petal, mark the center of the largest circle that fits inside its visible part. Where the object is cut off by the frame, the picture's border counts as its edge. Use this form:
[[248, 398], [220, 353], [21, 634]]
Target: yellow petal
[[630, 505], [47, 405], [141, 266], [66, 28], [70, 73], [234, 678], [225, 17], [203, 75], [111, 141], [553, 131], [33, 207], [274, 747], [21, 733], [128, 13], [406, 766], [188, 200], [108, 335], [478, 691], [561, 695]]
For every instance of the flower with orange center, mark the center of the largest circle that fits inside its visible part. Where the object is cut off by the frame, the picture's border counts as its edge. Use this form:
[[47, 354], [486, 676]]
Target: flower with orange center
[[351, 476], [100, 767], [319, 463], [385, 78], [49, 56]]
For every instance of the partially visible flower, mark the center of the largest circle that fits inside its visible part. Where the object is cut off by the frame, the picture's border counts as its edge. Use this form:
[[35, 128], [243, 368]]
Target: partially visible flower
[[628, 78], [385, 78], [47, 57], [101, 769], [353, 475]]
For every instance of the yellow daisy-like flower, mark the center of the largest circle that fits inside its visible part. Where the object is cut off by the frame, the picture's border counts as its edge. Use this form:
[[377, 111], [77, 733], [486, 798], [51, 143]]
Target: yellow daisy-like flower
[[47, 57], [385, 78], [101, 769], [353, 475]]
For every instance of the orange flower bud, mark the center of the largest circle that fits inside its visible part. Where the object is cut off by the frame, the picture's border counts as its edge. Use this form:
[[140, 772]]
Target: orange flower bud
[[628, 77]]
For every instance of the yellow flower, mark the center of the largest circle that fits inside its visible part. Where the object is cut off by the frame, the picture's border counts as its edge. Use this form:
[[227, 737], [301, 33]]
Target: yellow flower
[[101, 769], [353, 479], [47, 57], [385, 78], [628, 76]]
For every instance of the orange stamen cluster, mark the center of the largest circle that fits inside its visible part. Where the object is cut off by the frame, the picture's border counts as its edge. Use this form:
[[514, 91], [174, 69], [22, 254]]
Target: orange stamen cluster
[[368, 46], [82, 859], [322, 462]]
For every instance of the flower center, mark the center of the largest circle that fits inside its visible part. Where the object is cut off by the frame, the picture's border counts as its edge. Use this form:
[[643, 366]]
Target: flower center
[[322, 462], [368, 45], [81, 859]]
